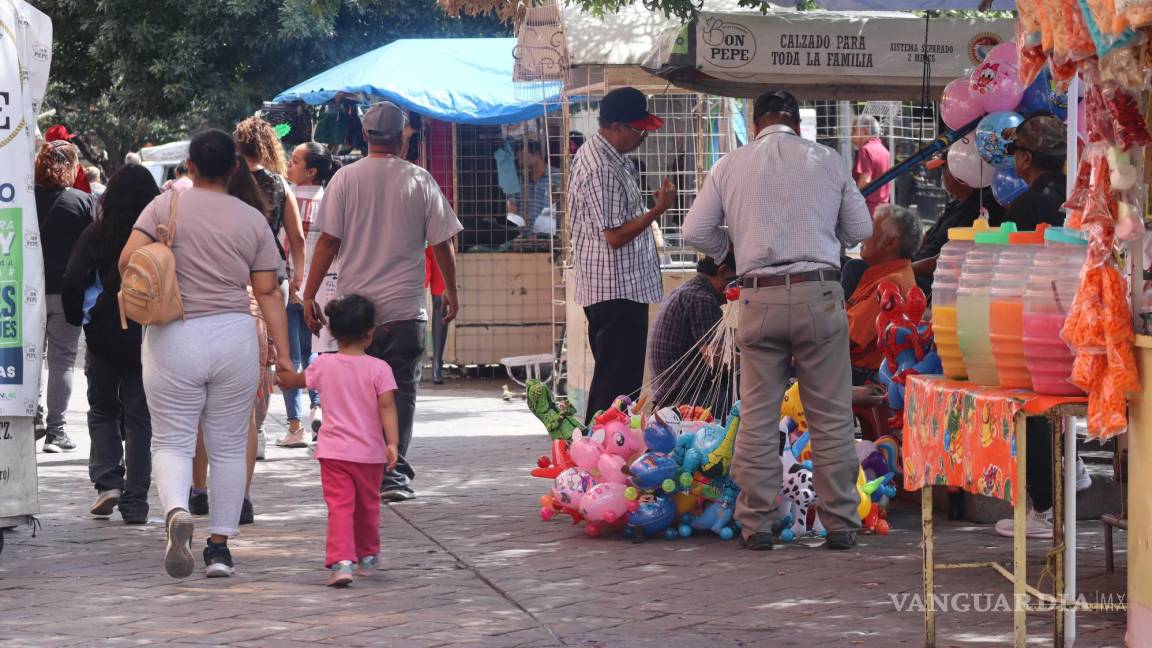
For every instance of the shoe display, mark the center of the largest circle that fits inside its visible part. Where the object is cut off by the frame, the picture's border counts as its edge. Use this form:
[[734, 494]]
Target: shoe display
[[1038, 526], [247, 514], [342, 575], [217, 560], [55, 442], [396, 494], [368, 566], [1083, 478], [178, 561], [105, 503], [261, 443], [198, 502], [294, 438]]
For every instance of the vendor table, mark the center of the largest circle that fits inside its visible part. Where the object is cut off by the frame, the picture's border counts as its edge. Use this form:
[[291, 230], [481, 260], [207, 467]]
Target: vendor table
[[960, 434]]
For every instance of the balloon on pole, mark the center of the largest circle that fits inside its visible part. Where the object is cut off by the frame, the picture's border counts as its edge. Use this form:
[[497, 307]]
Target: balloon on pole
[[1007, 186], [995, 83], [990, 140], [966, 165], [957, 105]]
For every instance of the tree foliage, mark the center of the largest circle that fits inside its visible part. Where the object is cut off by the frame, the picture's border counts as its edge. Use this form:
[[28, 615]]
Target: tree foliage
[[126, 73]]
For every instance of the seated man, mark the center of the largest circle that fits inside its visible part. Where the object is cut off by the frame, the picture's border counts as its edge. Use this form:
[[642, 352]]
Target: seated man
[[540, 183], [896, 234], [678, 358]]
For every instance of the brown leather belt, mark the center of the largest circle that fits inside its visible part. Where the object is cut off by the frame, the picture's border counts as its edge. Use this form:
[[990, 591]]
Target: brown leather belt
[[795, 277]]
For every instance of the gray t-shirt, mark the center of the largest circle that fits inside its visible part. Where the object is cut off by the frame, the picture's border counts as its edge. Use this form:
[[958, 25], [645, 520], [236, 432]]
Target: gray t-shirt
[[220, 241], [384, 211]]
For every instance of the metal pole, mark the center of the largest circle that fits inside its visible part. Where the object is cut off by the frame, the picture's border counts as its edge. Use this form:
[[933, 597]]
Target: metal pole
[[1020, 539], [929, 566], [1070, 529]]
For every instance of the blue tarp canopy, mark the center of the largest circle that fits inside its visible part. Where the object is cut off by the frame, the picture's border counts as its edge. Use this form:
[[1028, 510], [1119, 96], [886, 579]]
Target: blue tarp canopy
[[462, 80]]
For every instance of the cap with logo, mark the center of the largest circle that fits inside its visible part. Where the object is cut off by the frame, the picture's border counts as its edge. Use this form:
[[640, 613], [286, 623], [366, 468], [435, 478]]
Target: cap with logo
[[384, 121], [1043, 134], [630, 106]]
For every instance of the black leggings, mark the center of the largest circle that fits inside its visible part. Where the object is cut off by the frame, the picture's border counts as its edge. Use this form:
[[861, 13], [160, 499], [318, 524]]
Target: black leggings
[[1039, 477]]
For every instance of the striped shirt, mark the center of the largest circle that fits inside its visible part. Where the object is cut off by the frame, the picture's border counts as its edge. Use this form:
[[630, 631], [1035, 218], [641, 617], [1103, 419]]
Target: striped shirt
[[604, 193], [789, 204]]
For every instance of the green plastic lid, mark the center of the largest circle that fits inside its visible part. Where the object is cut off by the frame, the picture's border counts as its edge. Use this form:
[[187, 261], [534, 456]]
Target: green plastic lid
[[997, 236], [1065, 236]]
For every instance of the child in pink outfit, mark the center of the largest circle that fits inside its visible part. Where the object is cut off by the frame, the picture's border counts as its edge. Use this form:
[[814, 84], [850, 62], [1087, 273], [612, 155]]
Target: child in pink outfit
[[358, 439]]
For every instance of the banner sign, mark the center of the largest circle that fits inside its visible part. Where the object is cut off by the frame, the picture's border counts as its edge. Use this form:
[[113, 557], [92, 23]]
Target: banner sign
[[25, 57], [827, 44]]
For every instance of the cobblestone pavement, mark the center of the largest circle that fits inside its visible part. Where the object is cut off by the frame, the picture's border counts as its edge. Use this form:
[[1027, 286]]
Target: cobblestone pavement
[[469, 563]]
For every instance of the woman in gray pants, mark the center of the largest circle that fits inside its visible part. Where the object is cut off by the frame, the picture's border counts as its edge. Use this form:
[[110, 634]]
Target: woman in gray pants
[[204, 367]]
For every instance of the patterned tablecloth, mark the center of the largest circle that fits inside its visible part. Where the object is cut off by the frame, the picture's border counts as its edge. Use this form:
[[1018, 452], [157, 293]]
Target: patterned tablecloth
[[960, 434]]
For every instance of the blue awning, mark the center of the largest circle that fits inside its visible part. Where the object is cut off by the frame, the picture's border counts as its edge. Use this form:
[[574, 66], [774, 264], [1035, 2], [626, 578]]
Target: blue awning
[[462, 80]]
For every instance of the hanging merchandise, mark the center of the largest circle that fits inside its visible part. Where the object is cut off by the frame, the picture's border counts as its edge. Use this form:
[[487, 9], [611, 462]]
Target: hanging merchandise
[[297, 116], [328, 128]]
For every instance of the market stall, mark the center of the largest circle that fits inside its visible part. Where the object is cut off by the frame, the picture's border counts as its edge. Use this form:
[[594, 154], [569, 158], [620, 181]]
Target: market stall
[[468, 109], [25, 57], [706, 116]]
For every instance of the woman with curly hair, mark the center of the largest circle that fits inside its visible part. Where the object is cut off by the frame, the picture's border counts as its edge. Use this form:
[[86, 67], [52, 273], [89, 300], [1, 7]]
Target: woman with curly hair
[[260, 147], [63, 213]]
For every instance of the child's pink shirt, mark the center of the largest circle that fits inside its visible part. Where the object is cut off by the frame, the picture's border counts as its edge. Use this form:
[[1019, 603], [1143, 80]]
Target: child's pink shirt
[[350, 387]]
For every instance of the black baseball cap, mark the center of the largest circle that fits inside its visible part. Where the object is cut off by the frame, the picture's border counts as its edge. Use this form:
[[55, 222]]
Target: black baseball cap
[[1043, 134], [780, 102], [630, 106]]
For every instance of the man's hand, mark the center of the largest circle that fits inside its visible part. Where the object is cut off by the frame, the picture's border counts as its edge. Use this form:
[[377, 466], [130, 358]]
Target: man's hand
[[665, 195], [393, 456], [313, 316], [450, 302]]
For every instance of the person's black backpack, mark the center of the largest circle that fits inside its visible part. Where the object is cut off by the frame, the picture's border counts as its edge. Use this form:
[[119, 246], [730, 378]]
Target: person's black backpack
[[103, 333]]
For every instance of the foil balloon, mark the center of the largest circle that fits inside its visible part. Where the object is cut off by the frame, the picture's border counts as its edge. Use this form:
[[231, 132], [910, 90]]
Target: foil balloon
[[967, 166], [1007, 186], [990, 142], [570, 487], [1044, 96], [958, 106], [995, 83]]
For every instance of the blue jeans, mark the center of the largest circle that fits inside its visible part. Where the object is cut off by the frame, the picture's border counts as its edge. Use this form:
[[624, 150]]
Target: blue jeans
[[300, 344]]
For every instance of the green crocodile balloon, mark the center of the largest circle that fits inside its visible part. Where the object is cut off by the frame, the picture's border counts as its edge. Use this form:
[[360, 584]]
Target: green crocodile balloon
[[559, 420]]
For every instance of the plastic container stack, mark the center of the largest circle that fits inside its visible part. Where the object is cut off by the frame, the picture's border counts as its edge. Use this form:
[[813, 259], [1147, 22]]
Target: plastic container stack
[[1052, 283], [973, 302], [1006, 310], [945, 283]]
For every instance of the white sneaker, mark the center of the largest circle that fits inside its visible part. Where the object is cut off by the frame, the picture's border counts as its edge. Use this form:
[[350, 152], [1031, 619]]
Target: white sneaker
[[261, 443], [1083, 478], [105, 503], [1039, 526]]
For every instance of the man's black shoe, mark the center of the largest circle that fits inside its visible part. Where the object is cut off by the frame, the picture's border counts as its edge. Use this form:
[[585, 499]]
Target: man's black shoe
[[198, 503], [759, 541], [840, 540]]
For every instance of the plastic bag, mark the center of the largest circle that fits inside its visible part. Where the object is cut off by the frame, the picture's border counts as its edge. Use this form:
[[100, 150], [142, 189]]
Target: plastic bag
[[1099, 17], [1030, 53], [1078, 40], [1122, 66], [1132, 14], [1128, 125]]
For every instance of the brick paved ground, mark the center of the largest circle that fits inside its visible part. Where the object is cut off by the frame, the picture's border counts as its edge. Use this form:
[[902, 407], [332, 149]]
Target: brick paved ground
[[470, 564]]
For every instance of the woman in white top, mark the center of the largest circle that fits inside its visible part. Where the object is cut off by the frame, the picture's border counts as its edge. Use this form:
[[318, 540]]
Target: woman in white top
[[309, 170], [205, 366]]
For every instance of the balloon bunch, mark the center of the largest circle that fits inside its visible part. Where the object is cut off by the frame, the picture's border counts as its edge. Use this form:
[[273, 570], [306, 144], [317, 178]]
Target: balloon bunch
[[995, 95], [667, 476], [874, 484]]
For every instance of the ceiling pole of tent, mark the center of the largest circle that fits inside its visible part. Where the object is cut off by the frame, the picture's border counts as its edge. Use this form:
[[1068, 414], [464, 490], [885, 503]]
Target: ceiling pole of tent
[[844, 119]]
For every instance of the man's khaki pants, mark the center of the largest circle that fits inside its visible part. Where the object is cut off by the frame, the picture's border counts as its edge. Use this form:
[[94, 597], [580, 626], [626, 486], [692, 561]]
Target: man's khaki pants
[[804, 324]]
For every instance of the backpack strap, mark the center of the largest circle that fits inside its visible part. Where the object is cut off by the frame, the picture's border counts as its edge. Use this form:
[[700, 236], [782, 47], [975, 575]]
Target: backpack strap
[[166, 233]]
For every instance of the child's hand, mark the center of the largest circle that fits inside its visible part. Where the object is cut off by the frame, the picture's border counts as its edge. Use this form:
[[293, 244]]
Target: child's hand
[[393, 456]]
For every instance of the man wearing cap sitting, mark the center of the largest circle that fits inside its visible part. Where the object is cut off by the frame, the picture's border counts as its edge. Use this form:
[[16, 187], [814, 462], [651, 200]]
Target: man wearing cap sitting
[[1039, 147], [617, 270], [377, 214], [789, 206]]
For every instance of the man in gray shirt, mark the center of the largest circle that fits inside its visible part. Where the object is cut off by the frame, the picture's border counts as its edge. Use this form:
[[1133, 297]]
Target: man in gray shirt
[[789, 205], [377, 214]]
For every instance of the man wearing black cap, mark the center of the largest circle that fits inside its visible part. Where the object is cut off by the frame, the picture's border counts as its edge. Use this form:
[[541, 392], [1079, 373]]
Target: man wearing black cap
[[617, 270], [789, 206], [378, 214]]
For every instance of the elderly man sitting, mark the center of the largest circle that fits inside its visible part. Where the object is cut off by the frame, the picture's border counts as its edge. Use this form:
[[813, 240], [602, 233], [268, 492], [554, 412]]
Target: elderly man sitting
[[896, 235]]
